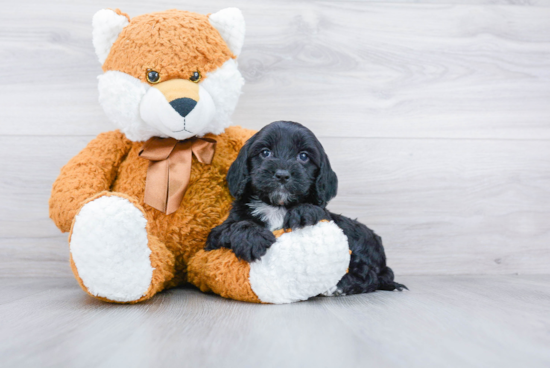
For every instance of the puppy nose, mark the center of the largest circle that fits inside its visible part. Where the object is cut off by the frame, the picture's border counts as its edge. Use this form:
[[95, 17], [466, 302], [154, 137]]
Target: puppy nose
[[183, 105], [282, 175]]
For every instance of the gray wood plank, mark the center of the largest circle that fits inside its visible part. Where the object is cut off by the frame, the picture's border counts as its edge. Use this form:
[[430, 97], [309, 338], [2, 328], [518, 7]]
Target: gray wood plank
[[15, 288], [351, 68], [35, 257], [467, 2], [488, 313], [459, 206], [441, 206], [466, 321]]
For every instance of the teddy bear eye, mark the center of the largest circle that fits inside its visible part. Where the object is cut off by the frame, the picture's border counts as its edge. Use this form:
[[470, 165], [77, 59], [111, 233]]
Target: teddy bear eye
[[196, 77], [152, 76]]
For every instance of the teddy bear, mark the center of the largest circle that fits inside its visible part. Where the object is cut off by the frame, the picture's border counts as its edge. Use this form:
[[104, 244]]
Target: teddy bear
[[139, 202]]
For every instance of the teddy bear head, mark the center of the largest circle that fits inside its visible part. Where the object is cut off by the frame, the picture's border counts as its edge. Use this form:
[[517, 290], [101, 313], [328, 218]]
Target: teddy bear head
[[169, 74]]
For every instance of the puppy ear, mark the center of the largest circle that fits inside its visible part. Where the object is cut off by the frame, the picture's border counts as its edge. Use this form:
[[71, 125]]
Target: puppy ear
[[326, 185], [238, 175]]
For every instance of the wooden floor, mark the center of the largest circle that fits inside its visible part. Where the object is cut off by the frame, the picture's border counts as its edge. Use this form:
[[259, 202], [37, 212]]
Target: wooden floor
[[443, 321]]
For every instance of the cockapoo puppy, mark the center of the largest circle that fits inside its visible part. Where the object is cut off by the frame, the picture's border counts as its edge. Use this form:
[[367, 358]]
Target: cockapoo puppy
[[282, 179]]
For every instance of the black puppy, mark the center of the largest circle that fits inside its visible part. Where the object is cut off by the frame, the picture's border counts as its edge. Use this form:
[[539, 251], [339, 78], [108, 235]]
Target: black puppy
[[282, 179]]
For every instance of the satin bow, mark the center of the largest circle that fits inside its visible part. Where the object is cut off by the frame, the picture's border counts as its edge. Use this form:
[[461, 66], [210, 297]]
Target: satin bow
[[169, 169]]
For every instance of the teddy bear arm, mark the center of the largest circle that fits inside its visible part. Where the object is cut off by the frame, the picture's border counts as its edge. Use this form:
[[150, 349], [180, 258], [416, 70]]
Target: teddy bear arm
[[90, 172]]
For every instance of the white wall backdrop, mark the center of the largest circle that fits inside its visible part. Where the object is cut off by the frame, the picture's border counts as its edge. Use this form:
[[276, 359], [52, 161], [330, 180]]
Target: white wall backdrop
[[435, 114]]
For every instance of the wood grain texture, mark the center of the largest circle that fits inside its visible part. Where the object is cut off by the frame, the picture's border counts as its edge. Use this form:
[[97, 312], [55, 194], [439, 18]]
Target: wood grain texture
[[347, 68], [441, 206], [467, 2], [446, 105], [467, 321]]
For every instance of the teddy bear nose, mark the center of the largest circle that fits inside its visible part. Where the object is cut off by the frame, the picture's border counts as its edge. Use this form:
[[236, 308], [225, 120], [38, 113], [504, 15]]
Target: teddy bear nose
[[183, 105]]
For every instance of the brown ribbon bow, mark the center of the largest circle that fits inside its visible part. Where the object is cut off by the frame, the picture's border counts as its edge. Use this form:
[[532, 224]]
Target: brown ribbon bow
[[170, 169]]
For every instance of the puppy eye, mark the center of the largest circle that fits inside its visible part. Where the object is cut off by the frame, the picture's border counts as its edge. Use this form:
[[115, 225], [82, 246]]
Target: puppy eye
[[303, 157], [196, 77], [265, 153], [153, 76]]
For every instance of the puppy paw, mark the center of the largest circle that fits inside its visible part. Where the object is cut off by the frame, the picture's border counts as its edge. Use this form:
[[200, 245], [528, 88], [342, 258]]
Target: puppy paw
[[304, 215], [333, 291], [250, 242], [219, 237]]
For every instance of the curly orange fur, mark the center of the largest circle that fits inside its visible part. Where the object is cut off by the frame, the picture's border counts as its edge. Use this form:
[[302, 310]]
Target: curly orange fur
[[110, 165], [174, 43]]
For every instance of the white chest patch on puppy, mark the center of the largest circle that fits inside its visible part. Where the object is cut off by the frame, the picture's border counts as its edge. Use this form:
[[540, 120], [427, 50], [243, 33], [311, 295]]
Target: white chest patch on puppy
[[272, 215]]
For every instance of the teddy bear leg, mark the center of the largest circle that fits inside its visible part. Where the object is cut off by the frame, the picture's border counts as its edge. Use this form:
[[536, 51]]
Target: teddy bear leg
[[113, 256], [299, 265], [221, 272]]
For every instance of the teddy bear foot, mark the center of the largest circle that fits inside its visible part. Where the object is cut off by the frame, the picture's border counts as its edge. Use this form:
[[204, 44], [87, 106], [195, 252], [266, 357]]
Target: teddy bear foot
[[109, 250], [301, 264]]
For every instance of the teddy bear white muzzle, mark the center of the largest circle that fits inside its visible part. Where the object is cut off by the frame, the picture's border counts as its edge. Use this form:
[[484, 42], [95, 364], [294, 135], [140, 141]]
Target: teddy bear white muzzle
[[177, 112]]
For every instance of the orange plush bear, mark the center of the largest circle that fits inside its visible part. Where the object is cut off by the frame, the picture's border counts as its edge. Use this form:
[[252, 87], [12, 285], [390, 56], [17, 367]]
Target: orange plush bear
[[140, 201]]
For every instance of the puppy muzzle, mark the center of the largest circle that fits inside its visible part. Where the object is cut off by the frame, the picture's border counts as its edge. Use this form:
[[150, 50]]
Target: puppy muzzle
[[280, 182], [282, 176]]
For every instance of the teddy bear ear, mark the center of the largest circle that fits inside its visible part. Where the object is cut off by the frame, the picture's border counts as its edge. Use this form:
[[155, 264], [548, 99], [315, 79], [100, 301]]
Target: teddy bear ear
[[107, 25], [230, 23]]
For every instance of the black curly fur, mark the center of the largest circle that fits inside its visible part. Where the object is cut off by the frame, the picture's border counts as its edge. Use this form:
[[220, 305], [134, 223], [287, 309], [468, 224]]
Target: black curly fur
[[302, 187]]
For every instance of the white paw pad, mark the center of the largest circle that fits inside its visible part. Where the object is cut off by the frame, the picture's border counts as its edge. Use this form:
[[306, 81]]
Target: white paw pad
[[109, 248], [301, 264]]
